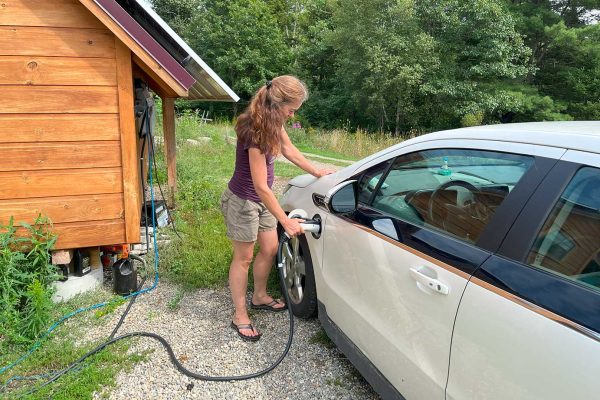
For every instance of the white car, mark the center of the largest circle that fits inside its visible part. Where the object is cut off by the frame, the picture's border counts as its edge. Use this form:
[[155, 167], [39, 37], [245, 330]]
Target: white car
[[462, 264]]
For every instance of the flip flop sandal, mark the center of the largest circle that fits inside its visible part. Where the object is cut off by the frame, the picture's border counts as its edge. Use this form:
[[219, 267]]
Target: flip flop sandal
[[268, 307], [249, 338]]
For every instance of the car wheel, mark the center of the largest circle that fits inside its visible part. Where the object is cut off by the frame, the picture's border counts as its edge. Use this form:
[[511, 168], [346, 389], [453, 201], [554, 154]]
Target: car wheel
[[299, 278]]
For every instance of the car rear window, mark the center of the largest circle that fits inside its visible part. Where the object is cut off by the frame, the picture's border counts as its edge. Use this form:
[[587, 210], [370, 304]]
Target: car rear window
[[569, 242]]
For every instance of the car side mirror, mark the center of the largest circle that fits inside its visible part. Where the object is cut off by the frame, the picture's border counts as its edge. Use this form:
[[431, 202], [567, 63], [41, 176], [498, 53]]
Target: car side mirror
[[342, 198]]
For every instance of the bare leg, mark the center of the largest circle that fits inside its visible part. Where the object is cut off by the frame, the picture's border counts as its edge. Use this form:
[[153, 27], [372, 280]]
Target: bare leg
[[238, 283], [262, 267]]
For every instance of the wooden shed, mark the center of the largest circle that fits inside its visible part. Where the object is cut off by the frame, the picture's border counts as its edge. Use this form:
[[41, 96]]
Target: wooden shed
[[68, 140]]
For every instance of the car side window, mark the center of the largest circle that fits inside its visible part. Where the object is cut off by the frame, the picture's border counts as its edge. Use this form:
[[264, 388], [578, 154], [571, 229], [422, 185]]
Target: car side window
[[455, 191], [568, 243]]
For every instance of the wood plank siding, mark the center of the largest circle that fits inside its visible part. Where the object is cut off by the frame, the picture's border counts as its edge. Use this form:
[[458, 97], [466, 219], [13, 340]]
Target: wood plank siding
[[29, 70], [98, 233], [55, 183], [64, 208], [62, 155], [62, 136], [24, 128], [53, 13], [56, 42], [59, 99]]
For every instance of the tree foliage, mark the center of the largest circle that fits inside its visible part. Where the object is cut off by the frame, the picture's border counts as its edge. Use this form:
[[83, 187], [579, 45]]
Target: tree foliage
[[480, 51], [406, 65], [241, 38]]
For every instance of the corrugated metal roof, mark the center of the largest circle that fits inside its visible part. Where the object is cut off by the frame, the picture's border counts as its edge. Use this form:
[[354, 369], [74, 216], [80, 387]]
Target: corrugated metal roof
[[151, 32]]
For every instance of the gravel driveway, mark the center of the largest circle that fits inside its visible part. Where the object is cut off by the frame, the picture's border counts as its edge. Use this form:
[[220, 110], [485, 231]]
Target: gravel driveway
[[198, 330]]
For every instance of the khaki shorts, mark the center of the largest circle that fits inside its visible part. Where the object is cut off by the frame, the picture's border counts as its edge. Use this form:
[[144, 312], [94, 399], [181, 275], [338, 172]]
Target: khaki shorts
[[245, 218]]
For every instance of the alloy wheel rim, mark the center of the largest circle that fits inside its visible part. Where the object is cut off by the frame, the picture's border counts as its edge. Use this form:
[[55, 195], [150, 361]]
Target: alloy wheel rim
[[295, 270]]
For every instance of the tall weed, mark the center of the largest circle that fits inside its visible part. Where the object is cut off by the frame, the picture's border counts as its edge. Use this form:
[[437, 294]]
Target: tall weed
[[37, 310], [26, 277]]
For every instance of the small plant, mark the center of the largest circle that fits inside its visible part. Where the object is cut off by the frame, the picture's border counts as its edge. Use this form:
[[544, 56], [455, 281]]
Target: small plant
[[112, 305], [173, 303], [320, 337], [152, 315], [336, 382], [26, 277], [37, 309]]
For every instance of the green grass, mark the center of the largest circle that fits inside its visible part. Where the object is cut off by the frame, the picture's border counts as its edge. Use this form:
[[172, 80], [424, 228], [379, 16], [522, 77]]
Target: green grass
[[97, 373], [306, 141], [115, 302], [337, 382], [59, 350], [173, 303], [202, 257], [287, 170]]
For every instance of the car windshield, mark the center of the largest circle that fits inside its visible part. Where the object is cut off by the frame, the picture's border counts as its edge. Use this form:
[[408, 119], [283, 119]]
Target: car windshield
[[477, 167]]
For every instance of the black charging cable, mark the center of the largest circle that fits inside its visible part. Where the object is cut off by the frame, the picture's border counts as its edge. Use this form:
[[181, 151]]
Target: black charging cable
[[283, 239], [145, 121]]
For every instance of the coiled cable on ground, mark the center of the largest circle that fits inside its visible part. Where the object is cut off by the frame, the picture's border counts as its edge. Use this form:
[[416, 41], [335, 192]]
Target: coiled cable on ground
[[169, 349]]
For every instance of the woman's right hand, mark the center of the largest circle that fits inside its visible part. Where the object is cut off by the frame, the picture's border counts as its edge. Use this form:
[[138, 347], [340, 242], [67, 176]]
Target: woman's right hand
[[292, 226]]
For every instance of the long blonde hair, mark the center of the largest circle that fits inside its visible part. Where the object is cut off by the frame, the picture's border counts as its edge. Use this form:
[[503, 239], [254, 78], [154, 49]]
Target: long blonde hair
[[261, 122]]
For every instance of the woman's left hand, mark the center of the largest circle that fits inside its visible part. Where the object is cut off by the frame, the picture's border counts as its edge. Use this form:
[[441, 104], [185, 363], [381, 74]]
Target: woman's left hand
[[322, 172]]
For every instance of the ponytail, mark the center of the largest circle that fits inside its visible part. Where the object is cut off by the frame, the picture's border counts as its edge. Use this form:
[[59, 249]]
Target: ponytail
[[261, 123]]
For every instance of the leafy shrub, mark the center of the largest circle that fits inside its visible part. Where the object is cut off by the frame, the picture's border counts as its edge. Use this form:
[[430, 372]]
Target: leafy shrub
[[26, 277]]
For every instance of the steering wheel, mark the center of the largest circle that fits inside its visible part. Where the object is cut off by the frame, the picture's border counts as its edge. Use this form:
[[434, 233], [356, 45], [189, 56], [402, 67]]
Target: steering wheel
[[464, 184]]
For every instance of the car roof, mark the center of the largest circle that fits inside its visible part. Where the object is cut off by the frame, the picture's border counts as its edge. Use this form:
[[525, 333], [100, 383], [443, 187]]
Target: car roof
[[575, 135], [566, 134]]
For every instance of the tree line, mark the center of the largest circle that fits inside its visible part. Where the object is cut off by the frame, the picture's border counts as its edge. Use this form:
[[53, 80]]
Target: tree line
[[405, 66]]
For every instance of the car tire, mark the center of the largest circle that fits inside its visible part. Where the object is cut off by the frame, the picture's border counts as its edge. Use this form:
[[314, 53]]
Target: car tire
[[300, 278]]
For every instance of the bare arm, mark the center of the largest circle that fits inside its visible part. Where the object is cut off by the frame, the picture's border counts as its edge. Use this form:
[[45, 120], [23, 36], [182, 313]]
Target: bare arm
[[292, 153], [258, 169]]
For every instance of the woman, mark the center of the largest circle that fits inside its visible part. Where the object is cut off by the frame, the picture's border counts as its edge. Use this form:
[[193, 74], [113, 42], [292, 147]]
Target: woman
[[250, 208]]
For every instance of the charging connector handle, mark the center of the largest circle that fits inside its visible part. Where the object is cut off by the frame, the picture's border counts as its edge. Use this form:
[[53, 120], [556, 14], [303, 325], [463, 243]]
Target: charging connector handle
[[311, 225]]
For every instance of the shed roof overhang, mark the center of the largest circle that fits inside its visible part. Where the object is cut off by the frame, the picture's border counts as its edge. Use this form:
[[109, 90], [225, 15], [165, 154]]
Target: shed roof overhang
[[159, 51]]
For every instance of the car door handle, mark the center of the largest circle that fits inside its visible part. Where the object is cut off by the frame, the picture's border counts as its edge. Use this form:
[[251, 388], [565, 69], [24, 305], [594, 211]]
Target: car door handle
[[429, 282]]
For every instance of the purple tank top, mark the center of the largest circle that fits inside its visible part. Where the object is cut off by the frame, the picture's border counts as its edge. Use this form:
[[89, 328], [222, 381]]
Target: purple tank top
[[241, 181]]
